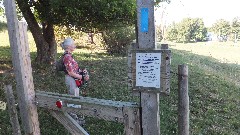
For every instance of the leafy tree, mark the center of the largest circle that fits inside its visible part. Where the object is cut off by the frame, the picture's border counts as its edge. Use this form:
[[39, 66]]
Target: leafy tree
[[85, 15], [188, 30], [171, 32], [235, 28], [159, 34], [222, 28]]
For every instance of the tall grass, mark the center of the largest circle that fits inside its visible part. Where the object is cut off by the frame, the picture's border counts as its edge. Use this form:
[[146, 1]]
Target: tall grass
[[213, 91]]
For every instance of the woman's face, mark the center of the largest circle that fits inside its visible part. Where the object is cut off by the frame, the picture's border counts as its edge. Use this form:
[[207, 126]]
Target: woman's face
[[72, 47]]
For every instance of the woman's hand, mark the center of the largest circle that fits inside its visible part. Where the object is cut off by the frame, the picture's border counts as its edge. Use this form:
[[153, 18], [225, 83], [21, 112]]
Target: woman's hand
[[86, 77]]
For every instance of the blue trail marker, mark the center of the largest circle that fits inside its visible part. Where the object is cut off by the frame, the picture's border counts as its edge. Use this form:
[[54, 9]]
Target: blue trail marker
[[144, 20]]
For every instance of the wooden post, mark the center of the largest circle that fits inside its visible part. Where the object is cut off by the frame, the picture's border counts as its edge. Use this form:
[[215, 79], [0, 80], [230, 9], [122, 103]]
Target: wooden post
[[146, 40], [12, 110], [165, 69], [183, 100], [131, 121], [22, 69]]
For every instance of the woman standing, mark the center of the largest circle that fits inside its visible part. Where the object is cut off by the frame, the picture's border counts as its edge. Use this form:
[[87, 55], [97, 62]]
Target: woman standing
[[72, 72], [72, 68]]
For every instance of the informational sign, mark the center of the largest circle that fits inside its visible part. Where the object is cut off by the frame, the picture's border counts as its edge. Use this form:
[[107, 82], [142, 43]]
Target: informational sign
[[148, 69]]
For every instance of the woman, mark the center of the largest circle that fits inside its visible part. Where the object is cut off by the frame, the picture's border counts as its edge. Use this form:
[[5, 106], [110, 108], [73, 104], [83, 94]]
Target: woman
[[72, 68]]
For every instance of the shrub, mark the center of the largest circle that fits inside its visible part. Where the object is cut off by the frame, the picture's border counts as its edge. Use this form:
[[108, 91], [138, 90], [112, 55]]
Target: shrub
[[117, 39], [3, 26]]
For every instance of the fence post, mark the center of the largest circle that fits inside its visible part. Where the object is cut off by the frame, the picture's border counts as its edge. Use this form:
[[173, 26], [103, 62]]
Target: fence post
[[22, 69], [165, 69], [12, 110], [183, 100]]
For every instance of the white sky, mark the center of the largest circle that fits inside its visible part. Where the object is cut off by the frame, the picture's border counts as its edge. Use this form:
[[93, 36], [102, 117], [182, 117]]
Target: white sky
[[209, 10]]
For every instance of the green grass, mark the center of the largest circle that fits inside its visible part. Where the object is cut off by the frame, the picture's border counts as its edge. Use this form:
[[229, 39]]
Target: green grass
[[213, 91]]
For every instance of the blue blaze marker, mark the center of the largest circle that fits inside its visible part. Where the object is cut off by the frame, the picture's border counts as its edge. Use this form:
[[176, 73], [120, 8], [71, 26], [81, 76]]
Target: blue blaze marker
[[144, 20]]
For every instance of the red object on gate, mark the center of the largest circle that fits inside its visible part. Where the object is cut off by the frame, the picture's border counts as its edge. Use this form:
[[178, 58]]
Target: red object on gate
[[59, 104]]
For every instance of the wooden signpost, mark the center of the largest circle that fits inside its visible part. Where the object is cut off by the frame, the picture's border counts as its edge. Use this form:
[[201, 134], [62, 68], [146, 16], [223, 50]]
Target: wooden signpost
[[146, 40]]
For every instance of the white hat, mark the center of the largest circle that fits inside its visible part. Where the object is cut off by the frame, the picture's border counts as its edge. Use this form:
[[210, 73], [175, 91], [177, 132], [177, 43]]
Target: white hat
[[67, 42]]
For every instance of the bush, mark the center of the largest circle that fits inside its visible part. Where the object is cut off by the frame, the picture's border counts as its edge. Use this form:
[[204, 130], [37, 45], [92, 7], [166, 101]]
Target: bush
[[3, 26], [117, 39]]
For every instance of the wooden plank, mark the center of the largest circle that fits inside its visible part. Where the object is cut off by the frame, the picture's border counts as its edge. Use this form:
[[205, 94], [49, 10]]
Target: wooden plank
[[22, 69], [165, 69], [68, 122], [132, 123], [92, 107], [12, 110], [149, 101], [131, 72], [183, 100]]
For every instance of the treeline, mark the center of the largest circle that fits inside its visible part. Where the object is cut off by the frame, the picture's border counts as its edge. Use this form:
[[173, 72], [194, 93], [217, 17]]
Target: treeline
[[194, 30]]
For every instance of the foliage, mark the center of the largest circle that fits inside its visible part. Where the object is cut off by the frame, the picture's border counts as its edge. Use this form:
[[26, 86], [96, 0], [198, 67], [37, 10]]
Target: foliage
[[222, 28], [87, 14], [172, 32], [188, 30], [159, 34], [3, 26], [62, 32], [235, 29], [117, 39]]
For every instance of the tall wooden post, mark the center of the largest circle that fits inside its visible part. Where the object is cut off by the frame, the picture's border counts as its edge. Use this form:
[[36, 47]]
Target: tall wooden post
[[146, 40], [183, 100], [22, 69]]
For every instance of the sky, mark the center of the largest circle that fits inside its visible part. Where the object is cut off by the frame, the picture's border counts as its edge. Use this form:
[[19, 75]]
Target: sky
[[209, 10]]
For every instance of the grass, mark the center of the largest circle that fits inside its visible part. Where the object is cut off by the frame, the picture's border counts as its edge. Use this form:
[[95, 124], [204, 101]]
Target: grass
[[213, 91], [226, 52]]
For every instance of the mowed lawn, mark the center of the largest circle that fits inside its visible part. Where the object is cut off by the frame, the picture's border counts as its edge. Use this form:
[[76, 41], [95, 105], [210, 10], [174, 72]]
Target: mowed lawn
[[214, 89], [226, 52]]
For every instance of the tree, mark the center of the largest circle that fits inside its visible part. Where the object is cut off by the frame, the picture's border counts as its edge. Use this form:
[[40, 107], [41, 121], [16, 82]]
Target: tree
[[85, 15], [222, 28], [235, 28], [188, 30], [159, 33], [172, 32]]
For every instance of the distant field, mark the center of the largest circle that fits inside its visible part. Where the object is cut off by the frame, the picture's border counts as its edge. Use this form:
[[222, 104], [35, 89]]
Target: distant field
[[226, 52]]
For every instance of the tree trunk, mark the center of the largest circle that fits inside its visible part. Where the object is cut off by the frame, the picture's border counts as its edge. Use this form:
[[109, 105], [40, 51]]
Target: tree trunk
[[46, 46], [48, 33]]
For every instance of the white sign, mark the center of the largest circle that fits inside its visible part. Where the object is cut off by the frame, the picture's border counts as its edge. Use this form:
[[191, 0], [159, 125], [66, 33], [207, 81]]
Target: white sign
[[73, 106], [148, 69], [3, 105]]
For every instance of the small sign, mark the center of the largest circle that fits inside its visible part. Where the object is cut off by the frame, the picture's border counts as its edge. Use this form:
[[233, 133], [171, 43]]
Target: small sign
[[74, 106], [3, 105], [148, 69], [144, 20]]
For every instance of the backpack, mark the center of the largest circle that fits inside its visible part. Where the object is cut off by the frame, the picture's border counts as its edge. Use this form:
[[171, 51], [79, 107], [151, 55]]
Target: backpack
[[59, 65]]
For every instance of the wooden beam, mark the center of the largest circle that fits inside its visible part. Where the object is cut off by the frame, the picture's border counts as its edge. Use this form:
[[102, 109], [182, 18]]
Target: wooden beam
[[12, 110], [22, 69], [68, 122], [147, 40], [99, 108]]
